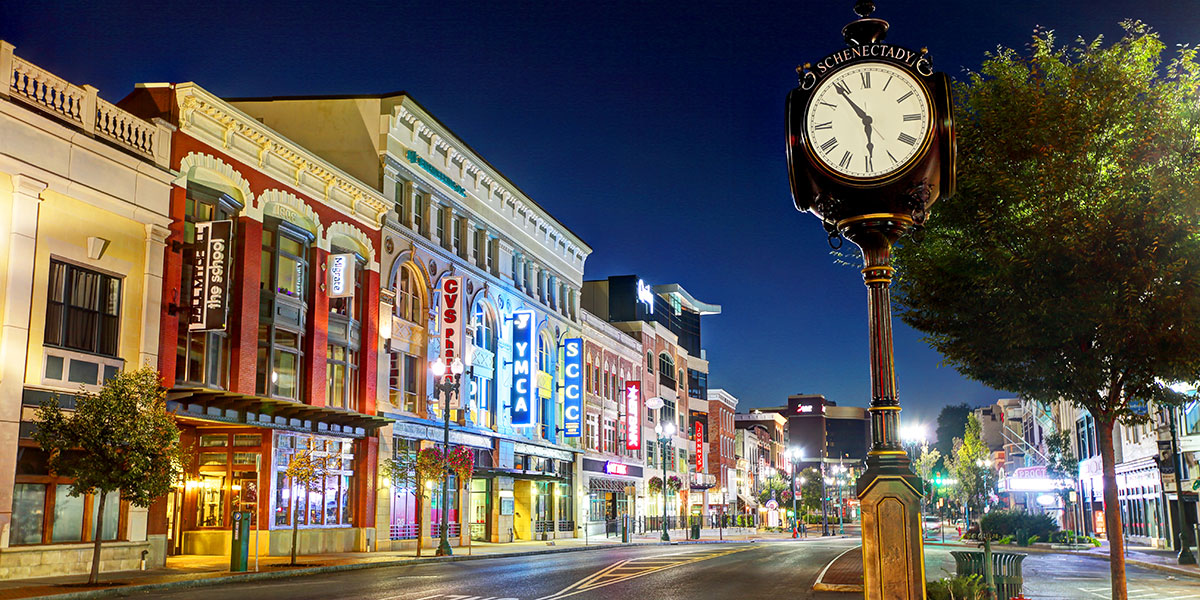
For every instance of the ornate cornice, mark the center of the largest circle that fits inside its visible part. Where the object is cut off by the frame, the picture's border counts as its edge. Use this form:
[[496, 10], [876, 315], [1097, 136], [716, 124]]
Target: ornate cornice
[[479, 179], [210, 119]]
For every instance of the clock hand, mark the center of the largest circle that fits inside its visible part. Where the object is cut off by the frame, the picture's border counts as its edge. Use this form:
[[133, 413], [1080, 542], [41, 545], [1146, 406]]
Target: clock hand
[[845, 94]]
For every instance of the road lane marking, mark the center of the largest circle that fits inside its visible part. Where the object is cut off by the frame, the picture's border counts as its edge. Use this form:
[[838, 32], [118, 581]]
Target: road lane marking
[[638, 567]]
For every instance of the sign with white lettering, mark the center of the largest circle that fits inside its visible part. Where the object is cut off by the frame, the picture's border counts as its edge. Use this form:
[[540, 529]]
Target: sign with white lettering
[[633, 424], [615, 468], [523, 406], [450, 328], [572, 387], [340, 275], [645, 295], [209, 296]]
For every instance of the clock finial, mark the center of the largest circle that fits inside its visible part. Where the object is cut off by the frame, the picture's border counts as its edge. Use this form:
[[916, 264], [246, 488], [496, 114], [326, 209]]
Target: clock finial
[[865, 30]]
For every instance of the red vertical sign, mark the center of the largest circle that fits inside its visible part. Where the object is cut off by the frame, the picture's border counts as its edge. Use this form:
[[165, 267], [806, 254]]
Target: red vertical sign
[[633, 422], [699, 447]]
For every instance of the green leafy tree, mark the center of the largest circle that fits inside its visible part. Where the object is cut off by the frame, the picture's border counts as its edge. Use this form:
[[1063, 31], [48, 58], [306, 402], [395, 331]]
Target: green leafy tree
[[950, 423], [121, 439], [924, 466], [971, 466], [1061, 463], [773, 487], [810, 489], [1065, 269]]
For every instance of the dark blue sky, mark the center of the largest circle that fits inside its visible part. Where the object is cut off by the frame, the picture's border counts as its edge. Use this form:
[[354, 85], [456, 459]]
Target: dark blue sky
[[654, 130]]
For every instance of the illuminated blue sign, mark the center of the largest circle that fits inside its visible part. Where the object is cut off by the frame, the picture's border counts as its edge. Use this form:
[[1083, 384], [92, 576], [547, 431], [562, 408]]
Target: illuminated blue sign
[[524, 386], [572, 387]]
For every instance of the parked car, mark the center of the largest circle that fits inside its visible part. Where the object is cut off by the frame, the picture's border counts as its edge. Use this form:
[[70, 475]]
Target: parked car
[[932, 524]]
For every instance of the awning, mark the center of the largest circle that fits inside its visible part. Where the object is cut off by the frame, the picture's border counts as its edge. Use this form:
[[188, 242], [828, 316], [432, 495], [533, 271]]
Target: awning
[[600, 484], [746, 500], [233, 407]]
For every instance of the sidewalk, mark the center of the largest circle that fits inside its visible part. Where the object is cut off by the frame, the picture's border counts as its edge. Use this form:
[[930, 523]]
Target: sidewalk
[[196, 571]]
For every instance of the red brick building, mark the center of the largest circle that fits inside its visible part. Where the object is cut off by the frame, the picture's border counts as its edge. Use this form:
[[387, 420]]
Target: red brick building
[[286, 367]]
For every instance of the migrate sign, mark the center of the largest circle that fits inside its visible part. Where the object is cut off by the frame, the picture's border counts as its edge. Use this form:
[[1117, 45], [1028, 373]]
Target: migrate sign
[[209, 295], [450, 327], [341, 275], [522, 407], [572, 387], [633, 425]]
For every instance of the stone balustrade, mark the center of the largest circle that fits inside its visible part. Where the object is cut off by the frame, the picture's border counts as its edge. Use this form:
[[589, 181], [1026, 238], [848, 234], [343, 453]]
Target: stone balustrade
[[81, 107]]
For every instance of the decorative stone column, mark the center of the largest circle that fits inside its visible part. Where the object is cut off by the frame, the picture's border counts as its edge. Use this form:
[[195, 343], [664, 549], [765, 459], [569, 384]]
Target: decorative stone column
[[14, 332]]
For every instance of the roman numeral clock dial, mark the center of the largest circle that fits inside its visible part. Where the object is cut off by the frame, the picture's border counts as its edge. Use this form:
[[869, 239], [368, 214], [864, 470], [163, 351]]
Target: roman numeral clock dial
[[867, 121]]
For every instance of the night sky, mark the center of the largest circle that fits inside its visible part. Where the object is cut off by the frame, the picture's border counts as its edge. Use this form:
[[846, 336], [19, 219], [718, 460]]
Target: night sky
[[653, 130]]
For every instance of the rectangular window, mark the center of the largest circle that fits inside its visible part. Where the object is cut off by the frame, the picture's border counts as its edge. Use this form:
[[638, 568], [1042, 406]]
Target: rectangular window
[[82, 309], [29, 512], [418, 213], [412, 374], [477, 248], [283, 304], [592, 440], [439, 218], [456, 237]]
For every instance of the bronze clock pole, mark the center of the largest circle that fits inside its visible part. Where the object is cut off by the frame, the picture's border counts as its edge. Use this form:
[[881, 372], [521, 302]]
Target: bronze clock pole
[[837, 112]]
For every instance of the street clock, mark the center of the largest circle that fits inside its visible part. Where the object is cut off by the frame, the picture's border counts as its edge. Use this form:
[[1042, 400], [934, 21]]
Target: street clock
[[870, 130]]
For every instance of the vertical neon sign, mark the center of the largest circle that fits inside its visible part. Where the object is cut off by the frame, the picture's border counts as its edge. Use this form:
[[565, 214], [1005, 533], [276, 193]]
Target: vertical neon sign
[[572, 387], [633, 424], [524, 388]]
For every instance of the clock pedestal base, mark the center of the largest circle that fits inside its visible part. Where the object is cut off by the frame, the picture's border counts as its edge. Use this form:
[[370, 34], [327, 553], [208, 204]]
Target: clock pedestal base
[[893, 552]]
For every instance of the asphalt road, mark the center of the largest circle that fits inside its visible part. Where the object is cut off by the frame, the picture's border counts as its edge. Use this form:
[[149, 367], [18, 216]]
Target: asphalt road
[[671, 572], [768, 570]]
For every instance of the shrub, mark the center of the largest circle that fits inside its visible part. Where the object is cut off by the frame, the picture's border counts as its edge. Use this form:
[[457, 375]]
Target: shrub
[[1019, 523], [1008, 539], [1033, 539], [969, 587]]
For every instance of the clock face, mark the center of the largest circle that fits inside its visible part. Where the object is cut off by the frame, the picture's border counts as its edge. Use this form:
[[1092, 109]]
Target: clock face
[[868, 121]]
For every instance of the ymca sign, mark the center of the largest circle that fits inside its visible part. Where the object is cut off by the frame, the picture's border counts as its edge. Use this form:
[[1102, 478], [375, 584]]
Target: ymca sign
[[572, 387], [524, 387]]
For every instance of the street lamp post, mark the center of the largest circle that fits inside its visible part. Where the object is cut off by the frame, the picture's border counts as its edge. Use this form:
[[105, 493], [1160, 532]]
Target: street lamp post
[[447, 386], [721, 523], [664, 431], [794, 456], [824, 502], [1185, 532]]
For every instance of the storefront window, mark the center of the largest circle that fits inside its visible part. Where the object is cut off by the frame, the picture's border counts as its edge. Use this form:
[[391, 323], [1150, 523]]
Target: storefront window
[[29, 504], [283, 305], [326, 503], [226, 477], [483, 391], [404, 494], [44, 512], [202, 357], [480, 509]]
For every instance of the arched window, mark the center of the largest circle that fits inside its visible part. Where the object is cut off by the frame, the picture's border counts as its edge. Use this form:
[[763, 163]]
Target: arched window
[[483, 386], [649, 362], [545, 354], [409, 305], [666, 370]]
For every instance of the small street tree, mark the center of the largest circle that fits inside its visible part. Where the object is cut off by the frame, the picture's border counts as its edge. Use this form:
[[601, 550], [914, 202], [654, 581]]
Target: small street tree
[[121, 439], [971, 466], [306, 471], [810, 490], [1062, 464], [924, 467], [1066, 267]]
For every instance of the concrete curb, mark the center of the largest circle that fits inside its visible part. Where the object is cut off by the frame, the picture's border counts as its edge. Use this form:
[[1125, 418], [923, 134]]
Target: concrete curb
[[198, 582], [1128, 561], [820, 586]]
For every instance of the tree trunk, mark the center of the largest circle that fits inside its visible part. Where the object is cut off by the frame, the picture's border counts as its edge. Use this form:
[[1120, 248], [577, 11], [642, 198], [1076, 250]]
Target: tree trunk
[[420, 512], [94, 578], [1112, 509], [295, 524]]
